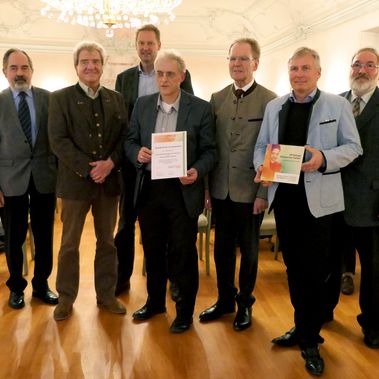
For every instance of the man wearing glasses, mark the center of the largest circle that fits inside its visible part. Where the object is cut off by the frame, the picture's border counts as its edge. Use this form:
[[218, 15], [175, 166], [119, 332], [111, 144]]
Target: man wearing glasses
[[361, 188], [238, 203]]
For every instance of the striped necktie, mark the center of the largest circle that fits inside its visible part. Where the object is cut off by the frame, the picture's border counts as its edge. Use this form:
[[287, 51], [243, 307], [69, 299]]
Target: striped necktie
[[356, 104], [24, 117]]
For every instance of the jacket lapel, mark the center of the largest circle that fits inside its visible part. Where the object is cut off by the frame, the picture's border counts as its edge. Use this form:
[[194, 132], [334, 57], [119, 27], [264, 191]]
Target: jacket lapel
[[283, 113], [184, 108], [369, 111]]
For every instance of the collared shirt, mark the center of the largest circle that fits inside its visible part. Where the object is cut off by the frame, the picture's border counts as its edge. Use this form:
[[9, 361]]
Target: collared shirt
[[364, 99], [147, 83], [29, 99], [167, 116], [307, 99], [89, 91], [245, 88]]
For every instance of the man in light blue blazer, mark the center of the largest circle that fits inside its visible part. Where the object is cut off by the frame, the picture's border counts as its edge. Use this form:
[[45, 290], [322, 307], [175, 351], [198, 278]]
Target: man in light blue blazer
[[305, 212]]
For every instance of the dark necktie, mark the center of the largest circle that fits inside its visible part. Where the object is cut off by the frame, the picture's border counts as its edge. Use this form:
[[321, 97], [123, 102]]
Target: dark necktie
[[24, 117], [356, 104], [239, 93]]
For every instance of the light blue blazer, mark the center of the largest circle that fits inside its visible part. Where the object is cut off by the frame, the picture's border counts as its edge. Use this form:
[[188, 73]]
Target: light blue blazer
[[331, 130]]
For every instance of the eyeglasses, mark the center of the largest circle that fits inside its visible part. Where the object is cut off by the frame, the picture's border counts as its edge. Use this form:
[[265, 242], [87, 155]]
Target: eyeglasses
[[368, 66], [240, 59]]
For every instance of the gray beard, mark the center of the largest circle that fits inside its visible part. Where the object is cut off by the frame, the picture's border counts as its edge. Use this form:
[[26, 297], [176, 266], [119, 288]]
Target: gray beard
[[361, 89], [21, 86]]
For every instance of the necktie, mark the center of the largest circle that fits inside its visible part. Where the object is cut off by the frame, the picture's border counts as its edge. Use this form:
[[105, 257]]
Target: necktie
[[356, 106], [24, 117], [239, 92]]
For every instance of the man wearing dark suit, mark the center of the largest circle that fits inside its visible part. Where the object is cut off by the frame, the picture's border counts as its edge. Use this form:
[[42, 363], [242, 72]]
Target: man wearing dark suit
[[87, 127], [361, 188], [28, 170], [168, 209], [132, 83], [238, 203]]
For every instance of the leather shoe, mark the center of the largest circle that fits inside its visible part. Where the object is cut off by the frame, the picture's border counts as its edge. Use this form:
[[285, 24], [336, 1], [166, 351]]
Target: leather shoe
[[243, 318], [371, 339], [180, 325], [47, 296], [113, 306], [62, 311], [122, 287], [313, 361], [215, 311], [288, 339], [146, 312], [16, 300], [347, 284]]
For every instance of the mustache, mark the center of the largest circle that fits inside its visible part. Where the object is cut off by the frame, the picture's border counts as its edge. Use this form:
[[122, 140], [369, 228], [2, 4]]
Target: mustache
[[362, 76], [20, 79]]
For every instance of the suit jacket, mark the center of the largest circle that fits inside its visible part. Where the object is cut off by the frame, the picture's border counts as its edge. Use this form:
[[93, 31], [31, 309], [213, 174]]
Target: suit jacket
[[194, 116], [361, 178], [237, 127], [127, 84], [331, 130], [75, 140], [18, 161]]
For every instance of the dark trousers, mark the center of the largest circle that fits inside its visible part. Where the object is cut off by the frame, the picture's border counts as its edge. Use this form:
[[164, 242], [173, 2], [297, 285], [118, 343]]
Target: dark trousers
[[305, 242], [366, 240], [169, 243], [235, 222], [16, 213], [124, 239]]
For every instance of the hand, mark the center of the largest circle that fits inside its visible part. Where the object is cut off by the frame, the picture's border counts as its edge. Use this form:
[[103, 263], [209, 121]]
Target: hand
[[100, 170], [207, 200], [1, 200], [258, 179], [190, 178], [259, 205], [144, 155], [316, 161]]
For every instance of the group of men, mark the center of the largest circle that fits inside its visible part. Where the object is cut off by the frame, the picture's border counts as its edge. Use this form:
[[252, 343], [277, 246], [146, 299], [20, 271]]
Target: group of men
[[88, 145]]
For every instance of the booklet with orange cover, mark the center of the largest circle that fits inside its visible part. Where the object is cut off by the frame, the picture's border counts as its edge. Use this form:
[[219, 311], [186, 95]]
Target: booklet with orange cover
[[282, 163]]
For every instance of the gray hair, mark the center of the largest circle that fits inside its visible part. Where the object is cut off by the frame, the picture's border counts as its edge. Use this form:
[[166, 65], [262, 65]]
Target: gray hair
[[11, 51], [368, 50], [171, 55], [89, 46], [254, 45], [301, 51]]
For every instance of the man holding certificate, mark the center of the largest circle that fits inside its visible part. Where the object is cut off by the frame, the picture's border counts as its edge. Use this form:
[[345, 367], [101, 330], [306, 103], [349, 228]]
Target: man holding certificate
[[305, 212], [164, 129]]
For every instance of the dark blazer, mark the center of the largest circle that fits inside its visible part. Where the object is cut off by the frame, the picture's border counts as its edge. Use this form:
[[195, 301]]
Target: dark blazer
[[361, 178], [18, 161], [75, 140], [194, 117], [127, 84]]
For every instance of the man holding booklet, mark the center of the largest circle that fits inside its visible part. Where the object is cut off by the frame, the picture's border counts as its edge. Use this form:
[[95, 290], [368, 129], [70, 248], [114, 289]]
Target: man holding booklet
[[168, 207], [304, 212]]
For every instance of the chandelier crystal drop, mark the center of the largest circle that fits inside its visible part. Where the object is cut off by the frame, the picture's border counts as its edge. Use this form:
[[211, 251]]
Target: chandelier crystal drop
[[110, 14]]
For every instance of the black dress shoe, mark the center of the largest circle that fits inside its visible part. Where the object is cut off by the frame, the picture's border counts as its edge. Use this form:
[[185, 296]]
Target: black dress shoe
[[16, 300], [288, 339], [371, 339], [216, 311], [243, 318], [180, 325], [146, 312], [313, 361], [122, 287], [47, 296]]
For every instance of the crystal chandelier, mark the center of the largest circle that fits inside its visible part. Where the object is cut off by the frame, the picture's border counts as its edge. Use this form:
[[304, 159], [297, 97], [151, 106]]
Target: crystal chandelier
[[111, 14]]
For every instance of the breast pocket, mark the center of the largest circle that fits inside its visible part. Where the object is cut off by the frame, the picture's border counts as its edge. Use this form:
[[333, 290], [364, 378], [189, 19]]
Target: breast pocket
[[328, 133]]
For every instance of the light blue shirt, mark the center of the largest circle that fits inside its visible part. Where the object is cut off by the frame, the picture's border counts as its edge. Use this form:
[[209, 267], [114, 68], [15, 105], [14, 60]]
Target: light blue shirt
[[30, 101], [147, 83]]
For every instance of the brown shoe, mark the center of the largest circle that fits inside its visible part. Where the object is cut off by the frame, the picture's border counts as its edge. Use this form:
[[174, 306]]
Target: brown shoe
[[347, 284], [62, 311], [114, 306]]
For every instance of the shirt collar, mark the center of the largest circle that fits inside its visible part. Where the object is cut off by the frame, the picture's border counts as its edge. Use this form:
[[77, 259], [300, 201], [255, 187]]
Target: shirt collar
[[307, 99], [89, 91], [175, 105], [141, 72], [366, 97], [16, 92], [246, 87]]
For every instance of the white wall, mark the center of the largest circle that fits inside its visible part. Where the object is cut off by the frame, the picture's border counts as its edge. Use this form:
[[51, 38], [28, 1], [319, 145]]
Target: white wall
[[210, 73]]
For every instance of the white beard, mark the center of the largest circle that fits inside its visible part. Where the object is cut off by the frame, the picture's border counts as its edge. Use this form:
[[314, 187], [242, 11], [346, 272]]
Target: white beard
[[360, 87]]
